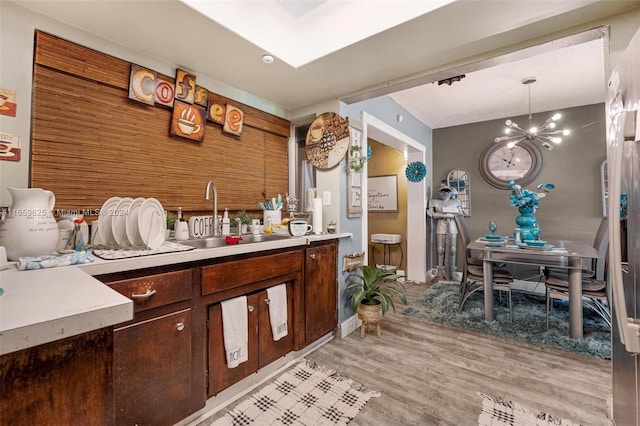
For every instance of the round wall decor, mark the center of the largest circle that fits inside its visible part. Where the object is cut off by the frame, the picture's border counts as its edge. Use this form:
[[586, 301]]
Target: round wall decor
[[499, 164], [416, 171], [327, 140]]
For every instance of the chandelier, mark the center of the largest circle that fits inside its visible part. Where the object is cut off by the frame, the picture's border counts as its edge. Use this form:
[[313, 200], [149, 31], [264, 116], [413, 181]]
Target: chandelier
[[546, 134]]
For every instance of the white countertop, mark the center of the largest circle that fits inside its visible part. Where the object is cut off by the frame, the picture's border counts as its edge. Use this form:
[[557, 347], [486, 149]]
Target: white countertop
[[44, 305]]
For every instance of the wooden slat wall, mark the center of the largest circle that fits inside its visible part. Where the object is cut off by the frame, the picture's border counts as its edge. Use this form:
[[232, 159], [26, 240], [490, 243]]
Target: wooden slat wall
[[90, 142]]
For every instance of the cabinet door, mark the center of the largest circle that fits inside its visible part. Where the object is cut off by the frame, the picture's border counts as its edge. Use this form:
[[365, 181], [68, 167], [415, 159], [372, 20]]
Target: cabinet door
[[152, 363], [220, 376], [321, 291], [270, 350]]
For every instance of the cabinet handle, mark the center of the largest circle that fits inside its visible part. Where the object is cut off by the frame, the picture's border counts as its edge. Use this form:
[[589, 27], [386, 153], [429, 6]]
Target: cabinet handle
[[149, 293], [312, 256], [267, 301], [250, 308], [180, 326]]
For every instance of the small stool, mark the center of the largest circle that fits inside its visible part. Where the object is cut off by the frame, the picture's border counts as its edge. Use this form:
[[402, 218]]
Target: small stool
[[366, 324]]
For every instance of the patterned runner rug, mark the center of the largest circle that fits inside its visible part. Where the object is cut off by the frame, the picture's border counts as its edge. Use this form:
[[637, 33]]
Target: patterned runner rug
[[497, 411], [305, 395]]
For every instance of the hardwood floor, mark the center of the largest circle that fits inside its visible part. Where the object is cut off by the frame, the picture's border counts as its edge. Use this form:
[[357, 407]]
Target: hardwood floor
[[429, 374]]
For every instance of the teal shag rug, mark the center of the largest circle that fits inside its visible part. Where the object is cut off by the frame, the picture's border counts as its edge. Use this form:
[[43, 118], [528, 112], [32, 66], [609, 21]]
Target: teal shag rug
[[440, 304]]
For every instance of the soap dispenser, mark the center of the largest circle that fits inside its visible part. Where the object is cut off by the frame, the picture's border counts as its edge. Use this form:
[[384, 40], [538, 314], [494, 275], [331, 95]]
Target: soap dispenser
[[226, 223], [181, 227]]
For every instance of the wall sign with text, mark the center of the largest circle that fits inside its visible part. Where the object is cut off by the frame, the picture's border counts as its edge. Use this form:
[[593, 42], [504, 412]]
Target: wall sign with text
[[190, 102], [382, 193]]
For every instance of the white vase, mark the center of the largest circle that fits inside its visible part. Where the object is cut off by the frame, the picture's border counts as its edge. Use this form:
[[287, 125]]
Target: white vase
[[29, 228]]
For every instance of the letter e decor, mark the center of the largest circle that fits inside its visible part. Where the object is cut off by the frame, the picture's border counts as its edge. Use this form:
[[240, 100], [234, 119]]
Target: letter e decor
[[216, 113], [233, 120]]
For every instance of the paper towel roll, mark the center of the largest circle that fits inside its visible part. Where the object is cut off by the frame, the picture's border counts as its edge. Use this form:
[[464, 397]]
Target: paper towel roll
[[317, 216]]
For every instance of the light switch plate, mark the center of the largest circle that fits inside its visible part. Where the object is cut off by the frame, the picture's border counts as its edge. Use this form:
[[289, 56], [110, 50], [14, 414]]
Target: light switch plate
[[326, 198]]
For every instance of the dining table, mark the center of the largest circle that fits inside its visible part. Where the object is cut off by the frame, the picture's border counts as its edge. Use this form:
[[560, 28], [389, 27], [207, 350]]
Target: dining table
[[574, 256]]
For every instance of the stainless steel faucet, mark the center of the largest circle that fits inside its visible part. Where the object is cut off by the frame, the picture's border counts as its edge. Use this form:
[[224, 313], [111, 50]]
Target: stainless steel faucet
[[207, 196]]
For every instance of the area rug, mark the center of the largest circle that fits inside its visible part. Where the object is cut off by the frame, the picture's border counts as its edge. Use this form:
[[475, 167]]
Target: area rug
[[497, 411], [440, 304], [305, 395]]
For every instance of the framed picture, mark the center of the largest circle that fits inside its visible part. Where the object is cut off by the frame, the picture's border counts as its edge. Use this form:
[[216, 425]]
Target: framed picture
[[382, 193]]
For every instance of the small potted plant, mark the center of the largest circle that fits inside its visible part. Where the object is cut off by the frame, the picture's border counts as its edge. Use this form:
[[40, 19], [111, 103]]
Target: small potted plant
[[171, 219], [245, 220], [331, 227], [372, 293]]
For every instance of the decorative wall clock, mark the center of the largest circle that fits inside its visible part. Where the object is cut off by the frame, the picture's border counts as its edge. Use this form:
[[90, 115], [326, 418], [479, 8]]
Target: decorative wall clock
[[499, 164], [327, 140]]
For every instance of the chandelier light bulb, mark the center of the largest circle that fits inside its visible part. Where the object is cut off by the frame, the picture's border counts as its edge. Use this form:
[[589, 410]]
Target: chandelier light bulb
[[546, 134]]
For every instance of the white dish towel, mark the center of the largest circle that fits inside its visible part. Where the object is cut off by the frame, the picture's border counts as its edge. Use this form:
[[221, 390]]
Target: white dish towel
[[278, 310], [235, 327]]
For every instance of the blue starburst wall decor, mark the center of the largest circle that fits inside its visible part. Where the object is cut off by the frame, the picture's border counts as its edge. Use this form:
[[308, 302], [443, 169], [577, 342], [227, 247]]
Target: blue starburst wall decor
[[416, 171]]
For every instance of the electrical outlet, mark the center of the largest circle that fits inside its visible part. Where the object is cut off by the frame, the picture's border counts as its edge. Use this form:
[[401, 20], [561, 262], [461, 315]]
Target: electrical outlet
[[326, 198]]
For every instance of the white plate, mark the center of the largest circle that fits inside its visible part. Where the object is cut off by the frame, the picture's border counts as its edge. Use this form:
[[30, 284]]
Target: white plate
[[105, 219], [133, 235], [525, 246], [119, 222], [152, 223]]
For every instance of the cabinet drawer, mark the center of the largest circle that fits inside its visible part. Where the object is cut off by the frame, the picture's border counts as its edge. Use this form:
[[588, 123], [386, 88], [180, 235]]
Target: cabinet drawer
[[228, 275], [155, 290]]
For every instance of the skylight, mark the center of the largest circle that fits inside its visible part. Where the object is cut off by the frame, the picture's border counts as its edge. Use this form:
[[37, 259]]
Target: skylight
[[299, 32]]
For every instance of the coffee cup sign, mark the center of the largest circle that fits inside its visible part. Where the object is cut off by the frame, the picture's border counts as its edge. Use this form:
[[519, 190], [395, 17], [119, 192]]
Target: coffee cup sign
[[188, 127], [188, 120], [192, 105]]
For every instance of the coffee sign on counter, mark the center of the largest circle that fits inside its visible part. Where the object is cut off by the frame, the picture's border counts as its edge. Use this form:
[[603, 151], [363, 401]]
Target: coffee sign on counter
[[190, 102]]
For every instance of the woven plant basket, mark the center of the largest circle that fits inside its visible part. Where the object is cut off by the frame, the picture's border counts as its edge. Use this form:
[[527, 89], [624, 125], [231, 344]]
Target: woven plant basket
[[370, 313]]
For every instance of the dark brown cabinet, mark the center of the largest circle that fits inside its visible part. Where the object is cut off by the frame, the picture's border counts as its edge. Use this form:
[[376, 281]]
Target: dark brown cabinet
[[261, 347], [321, 291], [65, 382], [154, 355], [152, 370]]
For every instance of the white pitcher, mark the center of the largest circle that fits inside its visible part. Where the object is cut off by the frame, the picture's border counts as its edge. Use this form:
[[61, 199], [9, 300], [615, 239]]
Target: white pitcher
[[29, 228]]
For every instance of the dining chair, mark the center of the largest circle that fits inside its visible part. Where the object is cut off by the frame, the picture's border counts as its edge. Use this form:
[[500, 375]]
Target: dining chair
[[595, 288], [473, 276]]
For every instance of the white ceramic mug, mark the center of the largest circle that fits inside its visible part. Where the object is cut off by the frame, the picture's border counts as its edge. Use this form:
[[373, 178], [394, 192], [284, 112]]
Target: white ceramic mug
[[298, 228]]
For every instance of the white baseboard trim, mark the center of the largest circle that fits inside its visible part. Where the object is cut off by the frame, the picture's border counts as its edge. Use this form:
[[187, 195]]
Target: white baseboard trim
[[347, 327]]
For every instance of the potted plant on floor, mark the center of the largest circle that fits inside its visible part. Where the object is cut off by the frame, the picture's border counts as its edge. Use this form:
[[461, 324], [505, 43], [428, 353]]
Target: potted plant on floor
[[373, 291]]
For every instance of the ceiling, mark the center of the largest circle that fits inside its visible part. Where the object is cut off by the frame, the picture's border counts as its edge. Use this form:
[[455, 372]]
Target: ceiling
[[449, 37]]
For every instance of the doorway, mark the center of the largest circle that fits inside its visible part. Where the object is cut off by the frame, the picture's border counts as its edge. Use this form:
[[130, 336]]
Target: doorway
[[416, 245]]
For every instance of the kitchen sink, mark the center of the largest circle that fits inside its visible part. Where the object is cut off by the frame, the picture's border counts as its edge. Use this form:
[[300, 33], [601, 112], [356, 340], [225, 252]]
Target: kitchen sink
[[212, 242]]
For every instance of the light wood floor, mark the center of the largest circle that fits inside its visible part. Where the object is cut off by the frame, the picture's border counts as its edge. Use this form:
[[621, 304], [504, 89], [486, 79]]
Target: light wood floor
[[428, 374]]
